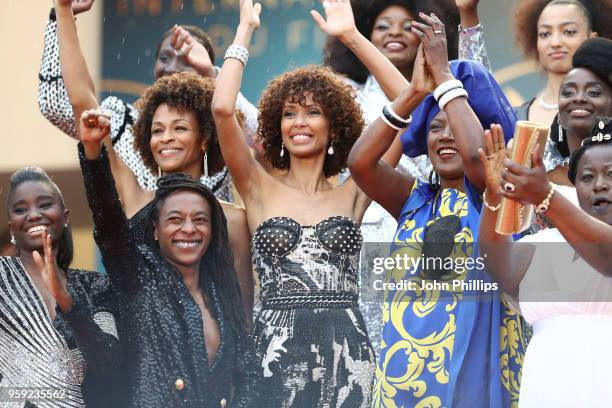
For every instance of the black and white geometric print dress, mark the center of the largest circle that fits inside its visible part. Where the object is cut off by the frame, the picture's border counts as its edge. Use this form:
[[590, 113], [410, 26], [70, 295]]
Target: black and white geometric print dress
[[310, 336]]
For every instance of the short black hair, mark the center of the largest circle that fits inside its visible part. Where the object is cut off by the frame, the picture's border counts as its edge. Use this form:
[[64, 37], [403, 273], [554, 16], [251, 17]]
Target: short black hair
[[595, 54], [65, 249]]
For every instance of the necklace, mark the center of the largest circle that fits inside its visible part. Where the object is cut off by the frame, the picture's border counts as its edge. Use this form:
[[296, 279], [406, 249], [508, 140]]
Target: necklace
[[547, 106]]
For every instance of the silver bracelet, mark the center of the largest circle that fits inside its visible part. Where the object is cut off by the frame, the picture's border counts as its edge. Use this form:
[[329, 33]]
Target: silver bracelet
[[237, 52]]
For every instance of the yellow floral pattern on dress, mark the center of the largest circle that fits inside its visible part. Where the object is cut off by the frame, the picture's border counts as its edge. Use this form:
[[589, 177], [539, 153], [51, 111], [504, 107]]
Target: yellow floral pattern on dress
[[415, 357]]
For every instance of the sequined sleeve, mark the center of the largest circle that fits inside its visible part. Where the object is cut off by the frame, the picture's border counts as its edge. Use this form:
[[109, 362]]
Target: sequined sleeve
[[111, 228], [552, 157], [93, 324], [247, 378], [472, 45]]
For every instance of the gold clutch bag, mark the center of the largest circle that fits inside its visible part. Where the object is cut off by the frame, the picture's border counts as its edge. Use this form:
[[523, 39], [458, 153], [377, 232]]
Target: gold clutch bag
[[514, 217]]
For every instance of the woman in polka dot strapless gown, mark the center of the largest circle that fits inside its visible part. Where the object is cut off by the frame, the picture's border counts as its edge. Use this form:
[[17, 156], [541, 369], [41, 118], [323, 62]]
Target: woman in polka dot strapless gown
[[310, 333]]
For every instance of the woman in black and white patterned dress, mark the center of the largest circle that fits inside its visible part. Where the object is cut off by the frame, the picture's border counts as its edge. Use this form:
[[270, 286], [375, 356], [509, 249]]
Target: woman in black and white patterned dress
[[310, 335]]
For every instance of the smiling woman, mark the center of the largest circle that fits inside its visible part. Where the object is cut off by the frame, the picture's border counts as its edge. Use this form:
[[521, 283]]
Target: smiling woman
[[177, 109], [549, 32], [565, 297], [183, 322], [585, 94], [57, 326]]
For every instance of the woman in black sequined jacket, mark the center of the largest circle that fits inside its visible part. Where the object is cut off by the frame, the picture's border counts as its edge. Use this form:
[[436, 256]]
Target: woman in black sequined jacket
[[178, 292]]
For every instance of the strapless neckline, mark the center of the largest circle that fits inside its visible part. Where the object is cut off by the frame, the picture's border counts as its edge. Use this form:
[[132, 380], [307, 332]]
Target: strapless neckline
[[293, 221]]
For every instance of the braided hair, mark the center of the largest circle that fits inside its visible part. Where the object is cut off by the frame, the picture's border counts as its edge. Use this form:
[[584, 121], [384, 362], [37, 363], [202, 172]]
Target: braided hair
[[601, 135], [217, 265]]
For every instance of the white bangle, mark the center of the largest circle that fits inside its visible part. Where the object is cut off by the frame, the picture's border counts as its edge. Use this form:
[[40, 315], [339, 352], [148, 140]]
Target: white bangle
[[397, 117], [444, 87], [450, 95], [543, 206], [237, 52], [391, 125]]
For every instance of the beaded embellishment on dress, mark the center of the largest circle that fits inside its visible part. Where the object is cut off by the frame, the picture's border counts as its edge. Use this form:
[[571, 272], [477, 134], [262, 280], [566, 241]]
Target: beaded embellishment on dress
[[310, 335], [32, 353]]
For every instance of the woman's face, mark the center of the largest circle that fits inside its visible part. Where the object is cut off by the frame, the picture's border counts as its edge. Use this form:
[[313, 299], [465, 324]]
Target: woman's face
[[594, 182], [167, 62], [392, 36], [175, 141], [582, 98], [184, 229], [304, 128], [33, 207], [562, 28], [442, 149]]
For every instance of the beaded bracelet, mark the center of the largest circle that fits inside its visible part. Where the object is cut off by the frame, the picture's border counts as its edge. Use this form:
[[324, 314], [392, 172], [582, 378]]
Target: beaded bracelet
[[543, 206], [489, 206], [237, 52]]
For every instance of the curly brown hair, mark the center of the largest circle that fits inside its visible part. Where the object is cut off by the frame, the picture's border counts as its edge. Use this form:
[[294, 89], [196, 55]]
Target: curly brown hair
[[527, 14], [183, 91], [337, 100]]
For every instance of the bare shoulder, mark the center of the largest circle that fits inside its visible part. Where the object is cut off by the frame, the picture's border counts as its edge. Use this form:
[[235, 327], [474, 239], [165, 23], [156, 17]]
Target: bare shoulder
[[236, 215]]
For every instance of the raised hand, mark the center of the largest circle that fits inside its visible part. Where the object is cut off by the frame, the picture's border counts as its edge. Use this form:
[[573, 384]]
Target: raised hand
[[51, 275], [339, 19], [95, 126], [468, 12], [422, 80], [433, 38], [467, 4], [80, 6], [492, 157], [249, 14], [192, 52], [527, 185]]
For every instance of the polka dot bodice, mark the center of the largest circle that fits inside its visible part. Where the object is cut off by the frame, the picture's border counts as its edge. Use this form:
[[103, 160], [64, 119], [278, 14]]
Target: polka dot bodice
[[307, 262]]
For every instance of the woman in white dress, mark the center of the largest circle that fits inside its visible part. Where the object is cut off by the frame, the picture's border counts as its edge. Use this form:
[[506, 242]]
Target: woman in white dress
[[564, 282]]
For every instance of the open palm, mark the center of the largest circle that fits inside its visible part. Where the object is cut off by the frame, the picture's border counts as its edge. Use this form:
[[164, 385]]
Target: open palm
[[493, 156], [338, 19]]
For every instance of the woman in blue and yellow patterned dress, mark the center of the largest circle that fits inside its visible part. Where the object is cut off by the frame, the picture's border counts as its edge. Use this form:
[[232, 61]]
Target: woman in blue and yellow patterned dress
[[457, 344]]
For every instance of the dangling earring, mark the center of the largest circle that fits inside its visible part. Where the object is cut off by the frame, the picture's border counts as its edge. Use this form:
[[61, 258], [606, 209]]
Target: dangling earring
[[330, 151], [13, 240], [560, 129], [159, 172], [282, 153], [434, 180], [205, 163]]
